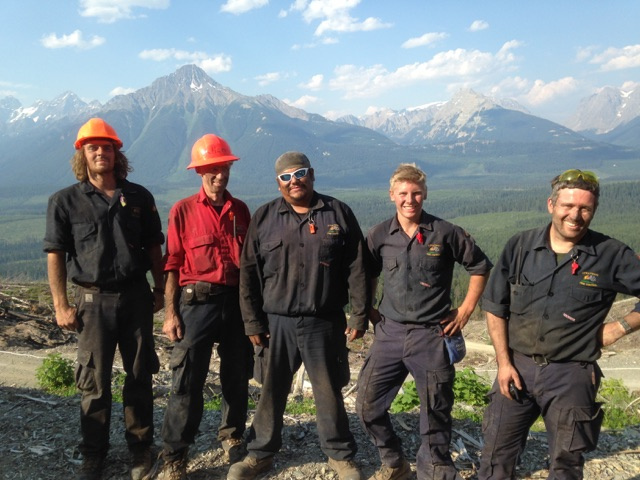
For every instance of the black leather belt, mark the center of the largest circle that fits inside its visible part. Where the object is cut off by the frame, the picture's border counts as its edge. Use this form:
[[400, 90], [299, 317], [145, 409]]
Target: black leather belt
[[540, 360]]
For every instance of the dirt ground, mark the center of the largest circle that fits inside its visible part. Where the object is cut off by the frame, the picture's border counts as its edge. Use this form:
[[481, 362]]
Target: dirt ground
[[40, 431]]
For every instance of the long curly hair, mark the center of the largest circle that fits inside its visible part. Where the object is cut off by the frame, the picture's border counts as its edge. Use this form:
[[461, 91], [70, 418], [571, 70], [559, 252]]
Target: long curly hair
[[79, 165]]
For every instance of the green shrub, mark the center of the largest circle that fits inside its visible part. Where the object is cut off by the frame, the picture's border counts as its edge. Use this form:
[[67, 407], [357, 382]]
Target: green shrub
[[302, 406], [56, 375], [117, 382], [621, 409], [470, 392]]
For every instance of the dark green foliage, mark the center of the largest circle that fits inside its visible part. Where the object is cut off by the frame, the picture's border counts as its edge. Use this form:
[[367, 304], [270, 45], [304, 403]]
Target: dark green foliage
[[56, 375]]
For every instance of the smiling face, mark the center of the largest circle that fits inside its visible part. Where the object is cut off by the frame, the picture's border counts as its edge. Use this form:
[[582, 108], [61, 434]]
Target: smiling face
[[571, 214], [408, 198], [298, 191], [100, 156], [215, 179]]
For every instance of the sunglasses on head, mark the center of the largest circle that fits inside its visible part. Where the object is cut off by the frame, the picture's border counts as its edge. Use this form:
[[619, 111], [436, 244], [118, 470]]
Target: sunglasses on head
[[287, 177], [574, 174]]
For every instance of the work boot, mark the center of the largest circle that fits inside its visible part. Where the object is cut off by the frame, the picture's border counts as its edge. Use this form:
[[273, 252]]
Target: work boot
[[386, 472], [346, 469], [234, 449], [249, 468], [141, 463], [174, 468], [91, 468]]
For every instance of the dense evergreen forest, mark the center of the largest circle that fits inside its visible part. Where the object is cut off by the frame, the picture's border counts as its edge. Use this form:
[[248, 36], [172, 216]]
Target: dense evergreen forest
[[491, 216]]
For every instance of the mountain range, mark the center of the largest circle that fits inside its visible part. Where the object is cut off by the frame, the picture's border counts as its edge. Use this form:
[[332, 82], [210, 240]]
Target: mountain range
[[470, 138]]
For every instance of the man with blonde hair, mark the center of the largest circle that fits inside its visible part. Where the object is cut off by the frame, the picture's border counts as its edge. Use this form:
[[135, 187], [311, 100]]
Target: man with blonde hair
[[415, 321]]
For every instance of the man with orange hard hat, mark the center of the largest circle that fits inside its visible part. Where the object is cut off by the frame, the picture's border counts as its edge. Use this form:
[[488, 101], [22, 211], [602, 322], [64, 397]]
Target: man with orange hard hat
[[204, 239], [104, 233]]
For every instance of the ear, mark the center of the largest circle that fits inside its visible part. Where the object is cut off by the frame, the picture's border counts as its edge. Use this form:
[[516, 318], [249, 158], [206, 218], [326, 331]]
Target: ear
[[549, 205], [391, 195]]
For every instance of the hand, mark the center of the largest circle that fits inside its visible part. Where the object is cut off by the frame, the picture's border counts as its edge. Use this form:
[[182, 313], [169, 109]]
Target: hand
[[260, 340], [66, 318], [158, 301], [454, 322], [352, 334], [173, 327], [506, 375]]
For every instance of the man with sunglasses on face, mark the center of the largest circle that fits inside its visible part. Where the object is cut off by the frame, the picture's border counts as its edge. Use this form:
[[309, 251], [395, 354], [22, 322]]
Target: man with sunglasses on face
[[546, 303], [302, 257]]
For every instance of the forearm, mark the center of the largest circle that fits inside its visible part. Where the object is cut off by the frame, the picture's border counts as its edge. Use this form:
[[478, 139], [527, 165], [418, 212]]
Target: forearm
[[57, 273], [157, 273], [172, 292], [474, 292], [498, 332]]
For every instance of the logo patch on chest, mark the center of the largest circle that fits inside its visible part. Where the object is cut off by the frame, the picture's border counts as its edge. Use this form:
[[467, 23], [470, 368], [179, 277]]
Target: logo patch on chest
[[334, 229], [589, 279], [434, 250]]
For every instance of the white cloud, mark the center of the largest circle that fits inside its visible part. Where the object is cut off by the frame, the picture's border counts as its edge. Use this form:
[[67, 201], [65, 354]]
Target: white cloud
[[316, 83], [542, 92], [460, 64], [74, 39], [334, 16], [109, 11], [426, 39], [209, 63], [238, 7], [478, 25], [121, 91], [268, 78], [303, 102], [618, 58]]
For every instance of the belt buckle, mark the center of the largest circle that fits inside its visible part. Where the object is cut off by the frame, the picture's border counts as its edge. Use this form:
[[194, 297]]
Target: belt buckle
[[540, 360]]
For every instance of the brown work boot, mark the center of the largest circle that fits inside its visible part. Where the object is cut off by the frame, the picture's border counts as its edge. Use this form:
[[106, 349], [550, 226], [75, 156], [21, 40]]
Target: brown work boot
[[249, 468], [234, 449], [386, 472], [91, 468], [172, 469], [346, 469], [141, 463]]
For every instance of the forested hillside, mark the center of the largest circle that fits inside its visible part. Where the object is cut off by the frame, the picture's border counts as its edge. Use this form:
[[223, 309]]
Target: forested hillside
[[490, 216]]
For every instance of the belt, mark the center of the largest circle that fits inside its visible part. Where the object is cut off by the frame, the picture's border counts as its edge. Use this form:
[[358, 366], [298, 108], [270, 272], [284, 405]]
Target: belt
[[209, 288], [100, 289], [540, 360]]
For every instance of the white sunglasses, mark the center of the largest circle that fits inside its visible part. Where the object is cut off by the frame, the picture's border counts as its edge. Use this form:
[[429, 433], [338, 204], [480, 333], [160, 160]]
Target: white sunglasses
[[298, 174]]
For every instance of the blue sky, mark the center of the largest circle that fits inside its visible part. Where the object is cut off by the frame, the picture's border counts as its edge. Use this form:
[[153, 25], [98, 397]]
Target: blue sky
[[332, 57]]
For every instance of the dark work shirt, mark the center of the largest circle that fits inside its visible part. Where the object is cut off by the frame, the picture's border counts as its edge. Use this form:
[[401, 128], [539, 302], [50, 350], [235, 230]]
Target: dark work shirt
[[106, 240], [550, 310], [418, 271], [290, 268]]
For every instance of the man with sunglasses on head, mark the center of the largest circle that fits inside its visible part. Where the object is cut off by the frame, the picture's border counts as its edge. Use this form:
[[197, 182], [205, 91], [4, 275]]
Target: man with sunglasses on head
[[302, 259], [546, 303]]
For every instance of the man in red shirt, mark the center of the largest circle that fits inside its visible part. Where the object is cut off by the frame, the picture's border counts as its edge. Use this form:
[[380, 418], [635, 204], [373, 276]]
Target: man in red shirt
[[204, 239]]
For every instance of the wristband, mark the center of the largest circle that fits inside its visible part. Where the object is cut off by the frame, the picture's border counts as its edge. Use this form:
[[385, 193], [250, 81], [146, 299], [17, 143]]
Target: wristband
[[158, 290], [626, 326]]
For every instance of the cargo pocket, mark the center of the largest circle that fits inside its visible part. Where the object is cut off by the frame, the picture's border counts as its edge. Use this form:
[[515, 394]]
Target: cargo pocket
[[260, 359], [179, 366], [85, 372], [579, 428], [439, 397]]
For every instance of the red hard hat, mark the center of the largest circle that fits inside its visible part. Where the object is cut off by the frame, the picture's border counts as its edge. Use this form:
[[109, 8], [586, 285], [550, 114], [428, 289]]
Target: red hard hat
[[96, 128], [209, 150]]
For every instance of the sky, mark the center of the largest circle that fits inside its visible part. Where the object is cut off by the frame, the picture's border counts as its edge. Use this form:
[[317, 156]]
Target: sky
[[331, 57]]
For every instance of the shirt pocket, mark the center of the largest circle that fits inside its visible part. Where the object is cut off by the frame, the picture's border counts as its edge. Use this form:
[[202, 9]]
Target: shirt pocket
[[520, 298], [273, 255], [330, 250], [203, 250]]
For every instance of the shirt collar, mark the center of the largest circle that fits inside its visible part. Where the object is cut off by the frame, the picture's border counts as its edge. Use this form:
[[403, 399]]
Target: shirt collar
[[584, 245], [426, 223]]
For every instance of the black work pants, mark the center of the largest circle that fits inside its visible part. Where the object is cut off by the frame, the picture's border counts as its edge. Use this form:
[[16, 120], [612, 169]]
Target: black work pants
[[320, 344], [108, 320], [400, 349], [564, 394], [216, 321]]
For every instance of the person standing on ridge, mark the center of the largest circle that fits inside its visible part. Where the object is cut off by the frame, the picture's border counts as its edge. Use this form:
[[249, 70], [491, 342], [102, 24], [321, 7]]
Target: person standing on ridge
[[303, 256], [103, 234], [204, 238], [546, 303]]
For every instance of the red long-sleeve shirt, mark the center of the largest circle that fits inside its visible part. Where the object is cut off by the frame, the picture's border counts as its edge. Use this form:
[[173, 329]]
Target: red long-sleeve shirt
[[203, 245]]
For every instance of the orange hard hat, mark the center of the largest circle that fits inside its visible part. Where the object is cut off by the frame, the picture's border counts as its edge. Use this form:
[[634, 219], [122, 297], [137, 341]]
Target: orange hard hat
[[210, 149], [96, 128]]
